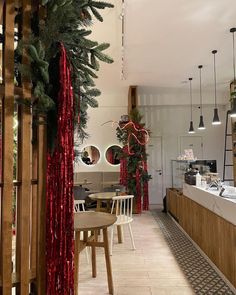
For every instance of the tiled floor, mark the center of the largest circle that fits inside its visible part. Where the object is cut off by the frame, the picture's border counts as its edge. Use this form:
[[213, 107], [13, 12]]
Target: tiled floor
[[149, 270]]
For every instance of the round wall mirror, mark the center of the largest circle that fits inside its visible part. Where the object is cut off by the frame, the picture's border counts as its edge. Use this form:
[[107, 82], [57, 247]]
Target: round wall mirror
[[113, 154], [90, 155]]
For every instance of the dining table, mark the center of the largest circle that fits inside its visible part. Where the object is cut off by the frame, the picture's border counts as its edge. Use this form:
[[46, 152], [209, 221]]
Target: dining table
[[85, 222], [103, 197], [107, 198]]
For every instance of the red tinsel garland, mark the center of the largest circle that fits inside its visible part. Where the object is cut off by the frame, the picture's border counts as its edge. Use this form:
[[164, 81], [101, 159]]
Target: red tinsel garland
[[123, 168], [145, 189], [59, 203], [138, 192]]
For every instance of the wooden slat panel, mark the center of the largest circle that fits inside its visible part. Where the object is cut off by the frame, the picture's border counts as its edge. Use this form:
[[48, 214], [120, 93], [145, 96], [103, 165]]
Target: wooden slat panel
[[34, 208], [24, 172], [17, 90], [41, 207], [214, 235], [1, 12], [8, 110]]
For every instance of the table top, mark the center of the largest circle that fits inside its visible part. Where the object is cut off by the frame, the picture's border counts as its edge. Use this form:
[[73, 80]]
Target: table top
[[103, 196], [93, 220]]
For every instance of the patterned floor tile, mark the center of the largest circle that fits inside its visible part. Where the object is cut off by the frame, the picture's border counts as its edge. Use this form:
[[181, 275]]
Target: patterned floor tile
[[202, 277]]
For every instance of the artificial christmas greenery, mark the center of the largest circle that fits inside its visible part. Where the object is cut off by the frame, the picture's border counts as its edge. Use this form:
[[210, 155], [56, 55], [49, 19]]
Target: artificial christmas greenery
[[66, 22], [137, 155]]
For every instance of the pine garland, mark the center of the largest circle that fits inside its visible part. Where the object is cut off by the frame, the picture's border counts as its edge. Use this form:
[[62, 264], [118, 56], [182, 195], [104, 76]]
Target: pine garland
[[66, 22], [134, 161]]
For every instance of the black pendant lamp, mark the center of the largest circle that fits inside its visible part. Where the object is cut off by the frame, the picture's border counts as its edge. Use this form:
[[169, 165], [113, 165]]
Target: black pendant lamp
[[216, 120], [191, 129], [233, 110], [201, 123]]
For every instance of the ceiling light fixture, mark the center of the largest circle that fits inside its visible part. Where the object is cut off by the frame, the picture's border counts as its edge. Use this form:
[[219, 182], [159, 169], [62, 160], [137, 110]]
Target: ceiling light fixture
[[216, 120], [201, 123], [233, 96], [191, 129]]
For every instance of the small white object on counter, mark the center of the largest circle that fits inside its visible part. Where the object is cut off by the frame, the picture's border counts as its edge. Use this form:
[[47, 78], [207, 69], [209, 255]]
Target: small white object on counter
[[198, 180]]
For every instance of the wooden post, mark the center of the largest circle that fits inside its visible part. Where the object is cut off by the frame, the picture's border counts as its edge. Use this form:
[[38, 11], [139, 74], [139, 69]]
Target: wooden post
[[7, 175], [24, 173], [132, 98], [41, 211]]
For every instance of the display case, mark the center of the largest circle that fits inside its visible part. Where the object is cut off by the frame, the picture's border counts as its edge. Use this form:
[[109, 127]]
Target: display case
[[178, 168]]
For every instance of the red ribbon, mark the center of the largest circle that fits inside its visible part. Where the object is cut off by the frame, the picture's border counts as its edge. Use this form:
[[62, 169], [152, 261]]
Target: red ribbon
[[59, 198], [123, 169]]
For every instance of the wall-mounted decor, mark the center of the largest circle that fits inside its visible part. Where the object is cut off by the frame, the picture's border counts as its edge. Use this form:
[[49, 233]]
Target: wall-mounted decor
[[112, 154], [90, 155], [133, 169]]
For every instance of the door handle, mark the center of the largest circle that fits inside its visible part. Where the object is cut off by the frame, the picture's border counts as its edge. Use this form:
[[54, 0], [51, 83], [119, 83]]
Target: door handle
[[159, 171]]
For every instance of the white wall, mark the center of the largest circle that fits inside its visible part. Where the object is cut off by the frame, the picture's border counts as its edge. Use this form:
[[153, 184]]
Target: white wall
[[113, 100], [171, 121], [166, 109]]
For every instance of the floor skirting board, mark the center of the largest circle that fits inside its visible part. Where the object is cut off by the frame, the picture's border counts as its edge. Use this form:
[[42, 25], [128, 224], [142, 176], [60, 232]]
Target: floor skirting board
[[202, 276]]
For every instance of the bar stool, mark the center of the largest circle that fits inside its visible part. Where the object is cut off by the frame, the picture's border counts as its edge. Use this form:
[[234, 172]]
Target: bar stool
[[94, 222]]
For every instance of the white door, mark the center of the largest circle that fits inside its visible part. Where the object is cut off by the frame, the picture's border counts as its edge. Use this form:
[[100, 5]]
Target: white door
[[192, 142], [154, 150]]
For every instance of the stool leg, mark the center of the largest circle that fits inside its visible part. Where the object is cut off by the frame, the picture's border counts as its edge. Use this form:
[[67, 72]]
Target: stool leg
[[108, 262], [77, 245], [94, 264]]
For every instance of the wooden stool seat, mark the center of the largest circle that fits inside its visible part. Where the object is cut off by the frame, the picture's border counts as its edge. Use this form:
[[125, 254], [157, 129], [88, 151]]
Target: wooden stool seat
[[94, 222]]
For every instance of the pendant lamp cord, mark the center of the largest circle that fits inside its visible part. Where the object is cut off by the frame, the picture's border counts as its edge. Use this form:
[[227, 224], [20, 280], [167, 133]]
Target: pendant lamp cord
[[234, 56], [200, 89], [215, 75], [191, 98]]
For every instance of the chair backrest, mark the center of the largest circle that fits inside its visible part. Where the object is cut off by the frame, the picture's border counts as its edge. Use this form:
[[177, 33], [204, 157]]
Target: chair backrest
[[122, 206], [79, 193], [79, 205]]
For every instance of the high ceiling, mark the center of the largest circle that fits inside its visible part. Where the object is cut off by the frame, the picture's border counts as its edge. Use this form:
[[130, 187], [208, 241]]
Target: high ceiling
[[165, 41]]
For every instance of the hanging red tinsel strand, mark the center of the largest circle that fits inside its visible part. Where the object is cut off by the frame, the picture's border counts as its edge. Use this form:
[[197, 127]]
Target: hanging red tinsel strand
[[59, 202]]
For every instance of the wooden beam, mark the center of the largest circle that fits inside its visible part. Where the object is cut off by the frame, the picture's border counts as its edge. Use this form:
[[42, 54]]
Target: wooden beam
[[132, 98], [8, 111]]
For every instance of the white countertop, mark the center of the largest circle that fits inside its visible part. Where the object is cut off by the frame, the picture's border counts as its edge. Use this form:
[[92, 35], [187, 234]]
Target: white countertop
[[210, 199]]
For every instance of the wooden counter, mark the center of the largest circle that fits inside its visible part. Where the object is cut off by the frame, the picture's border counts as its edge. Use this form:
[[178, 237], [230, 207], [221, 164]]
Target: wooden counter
[[204, 217]]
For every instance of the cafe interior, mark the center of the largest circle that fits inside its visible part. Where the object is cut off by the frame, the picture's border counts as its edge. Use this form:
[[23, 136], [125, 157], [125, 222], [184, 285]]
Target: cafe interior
[[118, 147]]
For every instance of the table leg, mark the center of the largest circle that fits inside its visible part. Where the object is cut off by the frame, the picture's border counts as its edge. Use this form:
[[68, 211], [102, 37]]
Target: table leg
[[119, 234], [108, 206], [108, 262], [94, 264], [76, 259], [98, 209]]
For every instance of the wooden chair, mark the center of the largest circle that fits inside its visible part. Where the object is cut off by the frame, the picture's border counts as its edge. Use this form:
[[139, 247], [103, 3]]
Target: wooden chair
[[79, 207], [122, 206]]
